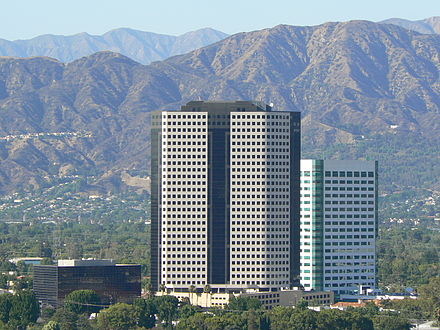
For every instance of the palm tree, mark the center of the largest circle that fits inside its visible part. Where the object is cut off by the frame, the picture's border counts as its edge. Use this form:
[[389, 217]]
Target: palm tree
[[191, 290], [207, 289], [162, 288]]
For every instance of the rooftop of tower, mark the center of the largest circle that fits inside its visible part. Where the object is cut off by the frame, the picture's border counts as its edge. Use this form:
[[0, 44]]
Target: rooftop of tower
[[226, 106]]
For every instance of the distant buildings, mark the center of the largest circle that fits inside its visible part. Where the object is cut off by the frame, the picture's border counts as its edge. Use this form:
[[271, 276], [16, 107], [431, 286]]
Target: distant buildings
[[27, 260], [339, 222], [112, 282], [225, 197]]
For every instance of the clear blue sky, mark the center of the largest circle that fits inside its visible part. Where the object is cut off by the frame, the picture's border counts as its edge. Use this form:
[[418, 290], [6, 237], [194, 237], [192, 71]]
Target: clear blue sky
[[22, 19]]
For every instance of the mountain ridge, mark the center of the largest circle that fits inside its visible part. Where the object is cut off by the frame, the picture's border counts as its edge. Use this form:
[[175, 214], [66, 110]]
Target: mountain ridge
[[144, 47], [365, 90], [429, 25]]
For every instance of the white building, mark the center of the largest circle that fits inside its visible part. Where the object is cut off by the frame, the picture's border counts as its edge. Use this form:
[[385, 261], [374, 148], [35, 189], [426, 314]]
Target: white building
[[225, 197], [338, 225]]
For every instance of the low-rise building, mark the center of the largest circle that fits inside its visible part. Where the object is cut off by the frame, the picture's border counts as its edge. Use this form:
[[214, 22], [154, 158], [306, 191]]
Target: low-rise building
[[112, 282], [221, 296]]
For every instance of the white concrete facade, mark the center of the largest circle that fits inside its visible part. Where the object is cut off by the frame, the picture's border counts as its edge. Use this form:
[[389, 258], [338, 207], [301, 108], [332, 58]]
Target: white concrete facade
[[184, 198], [342, 247], [260, 195]]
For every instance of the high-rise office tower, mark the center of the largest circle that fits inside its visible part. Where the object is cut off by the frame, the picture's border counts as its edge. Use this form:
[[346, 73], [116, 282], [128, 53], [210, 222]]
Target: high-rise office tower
[[338, 224], [225, 196]]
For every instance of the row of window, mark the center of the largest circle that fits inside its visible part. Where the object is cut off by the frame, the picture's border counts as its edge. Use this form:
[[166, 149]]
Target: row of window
[[184, 236], [258, 129], [350, 188], [185, 129], [184, 275], [184, 143], [179, 116], [181, 258], [257, 143], [187, 136], [258, 156], [260, 169], [260, 150], [261, 236], [348, 243], [184, 269], [348, 182], [186, 163], [285, 182], [184, 223], [350, 236], [179, 229], [269, 196], [185, 149], [187, 156], [349, 216], [186, 183], [170, 249], [268, 249], [185, 282], [257, 269], [275, 202], [277, 137], [260, 163], [188, 209], [261, 275], [253, 223], [263, 116], [275, 283], [348, 174], [262, 189], [183, 215], [265, 243], [185, 189], [184, 196], [252, 209], [343, 209]]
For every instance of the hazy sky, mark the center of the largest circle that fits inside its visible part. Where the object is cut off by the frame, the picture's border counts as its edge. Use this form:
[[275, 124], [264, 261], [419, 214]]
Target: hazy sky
[[22, 19]]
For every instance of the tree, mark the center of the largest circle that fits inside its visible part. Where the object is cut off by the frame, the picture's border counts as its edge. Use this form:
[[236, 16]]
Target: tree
[[5, 306], [430, 293], [391, 322], [25, 309], [147, 310], [302, 304], [244, 303], [206, 291], [120, 316], [200, 321], [188, 310], [82, 301], [52, 325], [304, 319], [191, 291], [162, 288], [167, 308], [65, 318]]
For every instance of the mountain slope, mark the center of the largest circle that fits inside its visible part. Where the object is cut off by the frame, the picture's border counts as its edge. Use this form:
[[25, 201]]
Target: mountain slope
[[365, 90], [427, 26], [144, 47]]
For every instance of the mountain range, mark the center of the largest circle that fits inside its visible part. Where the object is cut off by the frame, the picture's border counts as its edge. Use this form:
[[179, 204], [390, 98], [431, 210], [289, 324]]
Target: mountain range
[[144, 47], [365, 90], [427, 26]]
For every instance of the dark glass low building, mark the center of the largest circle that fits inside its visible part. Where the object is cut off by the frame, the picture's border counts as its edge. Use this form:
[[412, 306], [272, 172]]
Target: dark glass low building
[[112, 282]]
